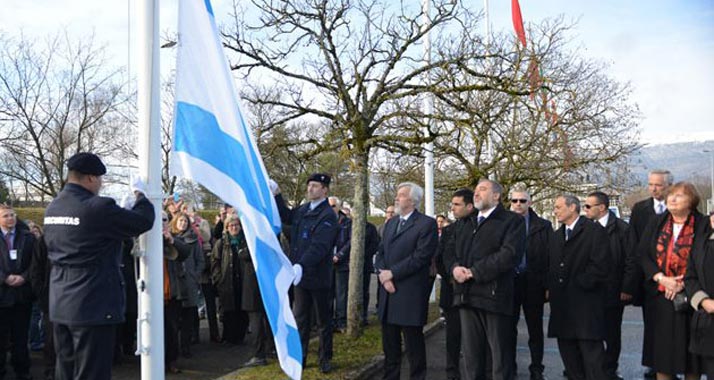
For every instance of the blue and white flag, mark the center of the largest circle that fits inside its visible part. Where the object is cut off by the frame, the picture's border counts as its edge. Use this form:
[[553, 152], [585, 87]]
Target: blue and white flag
[[213, 146]]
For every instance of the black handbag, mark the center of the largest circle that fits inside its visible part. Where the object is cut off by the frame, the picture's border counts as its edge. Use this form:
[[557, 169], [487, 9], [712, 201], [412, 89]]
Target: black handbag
[[680, 302]]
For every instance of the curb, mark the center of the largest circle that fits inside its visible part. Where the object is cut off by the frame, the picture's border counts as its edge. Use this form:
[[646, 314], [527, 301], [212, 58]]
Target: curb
[[376, 364]]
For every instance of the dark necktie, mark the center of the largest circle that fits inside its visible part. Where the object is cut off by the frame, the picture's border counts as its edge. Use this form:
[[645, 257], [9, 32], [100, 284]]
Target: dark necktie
[[401, 224], [568, 232], [8, 241], [660, 208], [481, 219]]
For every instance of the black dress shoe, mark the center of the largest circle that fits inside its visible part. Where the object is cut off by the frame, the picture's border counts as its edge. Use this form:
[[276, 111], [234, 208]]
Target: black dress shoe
[[650, 373], [255, 362], [326, 367]]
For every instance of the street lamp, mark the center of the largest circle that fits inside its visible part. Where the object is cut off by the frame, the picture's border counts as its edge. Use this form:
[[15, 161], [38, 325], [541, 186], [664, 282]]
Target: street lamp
[[711, 176]]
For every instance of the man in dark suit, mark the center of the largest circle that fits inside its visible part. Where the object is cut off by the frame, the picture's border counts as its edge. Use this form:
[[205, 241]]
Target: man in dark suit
[[529, 292], [462, 207], [658, 181], [578, 272], [17, 250], [341, 267], [486, 254], [621, 282], [84, 234], [403, 259], [313, 231]]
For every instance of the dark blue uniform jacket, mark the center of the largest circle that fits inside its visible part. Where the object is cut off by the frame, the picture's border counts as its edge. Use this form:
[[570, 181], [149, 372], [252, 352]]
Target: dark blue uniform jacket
[[312, 241], [84, 233]]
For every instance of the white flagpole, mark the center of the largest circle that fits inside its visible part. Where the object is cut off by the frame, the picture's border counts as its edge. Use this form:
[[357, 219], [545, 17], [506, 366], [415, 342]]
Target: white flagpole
[[428, 108], [150, 332]]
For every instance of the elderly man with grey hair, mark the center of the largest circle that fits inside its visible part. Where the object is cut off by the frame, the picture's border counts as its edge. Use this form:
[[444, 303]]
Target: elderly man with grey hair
[[403, 258], [577, 278], [658, 182]]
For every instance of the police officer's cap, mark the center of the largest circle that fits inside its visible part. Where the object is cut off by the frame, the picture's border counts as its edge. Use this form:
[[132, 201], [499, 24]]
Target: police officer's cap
[[319, 177], [86, 163]]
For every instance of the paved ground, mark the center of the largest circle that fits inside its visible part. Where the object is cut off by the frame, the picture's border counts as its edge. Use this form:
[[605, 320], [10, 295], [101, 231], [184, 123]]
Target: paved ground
[[212, 360], [630, 368]]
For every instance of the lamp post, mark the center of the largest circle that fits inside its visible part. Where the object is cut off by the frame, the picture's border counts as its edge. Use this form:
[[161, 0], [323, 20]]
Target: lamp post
[[710, 207]]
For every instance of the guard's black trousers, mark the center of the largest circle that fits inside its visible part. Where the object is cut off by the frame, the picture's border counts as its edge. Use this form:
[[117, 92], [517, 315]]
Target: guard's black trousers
[[84, 352]]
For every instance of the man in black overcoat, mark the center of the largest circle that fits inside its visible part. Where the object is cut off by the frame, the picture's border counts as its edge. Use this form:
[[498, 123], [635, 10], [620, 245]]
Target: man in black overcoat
[[84, 234], [577, 277], [531, 271], [658, 181], [622, 281], [313, 231], [462, 207], [486, 254], [17, 251], [403, 259]]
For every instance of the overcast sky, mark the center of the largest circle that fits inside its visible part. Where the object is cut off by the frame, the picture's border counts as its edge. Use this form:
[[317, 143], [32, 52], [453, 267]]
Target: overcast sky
[[665, 48]]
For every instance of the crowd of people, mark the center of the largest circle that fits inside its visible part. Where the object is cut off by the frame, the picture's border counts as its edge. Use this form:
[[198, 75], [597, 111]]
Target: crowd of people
[[493, 262]]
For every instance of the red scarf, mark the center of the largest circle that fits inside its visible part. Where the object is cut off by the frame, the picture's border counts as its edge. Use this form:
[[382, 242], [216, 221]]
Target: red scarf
[[672, 256]]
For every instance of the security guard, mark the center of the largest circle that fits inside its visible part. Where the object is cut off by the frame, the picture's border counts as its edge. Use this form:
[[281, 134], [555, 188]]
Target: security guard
[[313, 235], [84, 232]]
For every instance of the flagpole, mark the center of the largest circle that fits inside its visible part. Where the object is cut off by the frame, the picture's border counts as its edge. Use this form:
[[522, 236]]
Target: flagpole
[[428, 108], [489, 137], [150, 325]]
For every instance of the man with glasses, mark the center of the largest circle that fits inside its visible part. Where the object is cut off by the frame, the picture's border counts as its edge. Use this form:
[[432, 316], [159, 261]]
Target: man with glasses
[[530, 273], [658, 181], [622, 280], [84, 234]]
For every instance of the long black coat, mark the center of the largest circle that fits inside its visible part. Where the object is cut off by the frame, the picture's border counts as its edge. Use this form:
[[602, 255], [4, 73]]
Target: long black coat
[[625, 276], [491, 251], [312, 241], [699, 284], [84, 233], [250, 291], [408, 255], [540, 232], [26, 246], [642, 213], [577, 275]]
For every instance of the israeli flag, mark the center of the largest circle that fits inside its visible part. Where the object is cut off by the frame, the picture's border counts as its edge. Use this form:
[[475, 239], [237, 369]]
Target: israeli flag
[[213, 146]]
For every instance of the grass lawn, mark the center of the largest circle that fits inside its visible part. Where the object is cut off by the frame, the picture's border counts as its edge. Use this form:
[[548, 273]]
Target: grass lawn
[[349, 355]]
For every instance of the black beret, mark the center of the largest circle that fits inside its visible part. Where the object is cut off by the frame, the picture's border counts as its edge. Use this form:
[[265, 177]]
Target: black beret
[[86, 163], [319, 177]]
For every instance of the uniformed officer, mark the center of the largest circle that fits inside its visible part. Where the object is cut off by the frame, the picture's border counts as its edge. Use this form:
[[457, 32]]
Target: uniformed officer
[[313, 234], [84, 232]]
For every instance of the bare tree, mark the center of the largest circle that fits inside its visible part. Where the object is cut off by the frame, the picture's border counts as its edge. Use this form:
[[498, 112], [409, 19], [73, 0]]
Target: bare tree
[[357, 67], [57, 98], [575, 125]]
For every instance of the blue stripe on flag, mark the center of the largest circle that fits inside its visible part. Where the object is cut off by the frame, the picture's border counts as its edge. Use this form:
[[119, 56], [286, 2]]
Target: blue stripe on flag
[[197, 133], [208, 7], [271, 298]]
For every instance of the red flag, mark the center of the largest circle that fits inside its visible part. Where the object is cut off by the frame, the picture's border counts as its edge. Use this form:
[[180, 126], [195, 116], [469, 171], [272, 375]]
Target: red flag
[[518, 21]]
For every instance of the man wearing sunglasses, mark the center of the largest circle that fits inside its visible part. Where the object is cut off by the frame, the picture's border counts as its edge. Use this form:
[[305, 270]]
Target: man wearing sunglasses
[[529, 291], [622, 281]]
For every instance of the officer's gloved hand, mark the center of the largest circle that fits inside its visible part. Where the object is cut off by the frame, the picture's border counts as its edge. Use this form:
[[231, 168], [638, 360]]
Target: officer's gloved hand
[[273, 187], [137, 184], [297, 269], [128, 201]]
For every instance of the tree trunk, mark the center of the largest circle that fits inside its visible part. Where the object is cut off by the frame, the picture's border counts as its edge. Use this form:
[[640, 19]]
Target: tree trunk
[[360, 209]]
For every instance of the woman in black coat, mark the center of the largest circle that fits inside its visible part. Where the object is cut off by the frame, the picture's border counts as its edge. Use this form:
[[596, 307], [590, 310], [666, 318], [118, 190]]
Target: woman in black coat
[[699, 284], [226, 274], [664, 250]]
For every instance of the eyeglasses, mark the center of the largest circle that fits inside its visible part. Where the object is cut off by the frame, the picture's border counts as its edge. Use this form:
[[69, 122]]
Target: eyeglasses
[[519, 200], [165, 219], [588, 207]]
